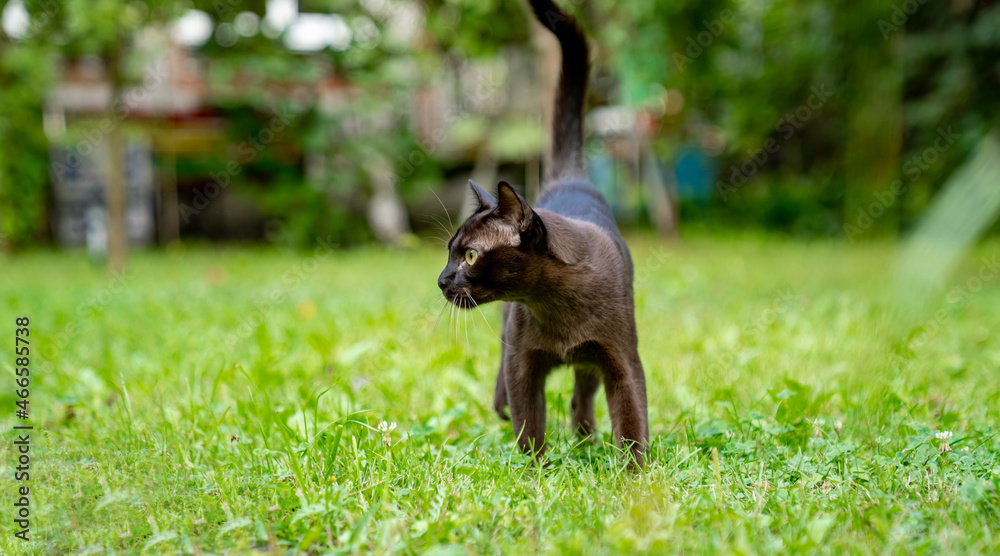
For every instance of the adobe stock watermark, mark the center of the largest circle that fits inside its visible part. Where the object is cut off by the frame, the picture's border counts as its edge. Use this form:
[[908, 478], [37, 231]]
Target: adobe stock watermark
[[698, 44], [225, 8], [247, 151], [901, 12], [651, 263], [85, 312], [271, 297], [121, 108], [407, 165], [757, 328], [786, 127], [989, 270], [913, 168], [780, 305]]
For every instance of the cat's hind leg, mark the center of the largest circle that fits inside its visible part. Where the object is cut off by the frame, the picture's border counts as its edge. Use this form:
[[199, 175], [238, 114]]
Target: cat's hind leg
[[625, 387], [588, 380]]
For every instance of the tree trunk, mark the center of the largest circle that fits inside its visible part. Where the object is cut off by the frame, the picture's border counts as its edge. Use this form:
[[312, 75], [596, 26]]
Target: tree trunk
[[3, 238], [663, 210], [387, 215], [169, 221], [874, 125], [115, 173], [533, 178], [4, 43]]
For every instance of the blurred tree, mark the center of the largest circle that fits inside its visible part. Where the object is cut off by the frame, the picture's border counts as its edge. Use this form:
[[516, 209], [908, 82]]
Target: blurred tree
[[872, 83], [378, 141], [821, 102], [107, 29], [25, 76], [949, 54], [408, 62]]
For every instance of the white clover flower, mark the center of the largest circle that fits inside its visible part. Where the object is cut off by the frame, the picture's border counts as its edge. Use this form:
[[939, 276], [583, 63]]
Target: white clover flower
[[386, 429], [943, 435]]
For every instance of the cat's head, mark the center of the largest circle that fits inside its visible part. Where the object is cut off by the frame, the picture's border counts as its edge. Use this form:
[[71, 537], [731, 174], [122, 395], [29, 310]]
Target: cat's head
[[495, 254]]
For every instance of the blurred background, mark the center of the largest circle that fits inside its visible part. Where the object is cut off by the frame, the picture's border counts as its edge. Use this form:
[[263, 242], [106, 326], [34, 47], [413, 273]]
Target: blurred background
[[148, 123]]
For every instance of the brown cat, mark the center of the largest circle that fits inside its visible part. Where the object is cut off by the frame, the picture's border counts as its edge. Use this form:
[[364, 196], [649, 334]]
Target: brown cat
[[564, 274]]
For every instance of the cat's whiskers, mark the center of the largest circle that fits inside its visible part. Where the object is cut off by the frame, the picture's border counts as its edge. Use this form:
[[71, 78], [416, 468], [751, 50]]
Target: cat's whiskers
[[440, 226], [472, 303], [437, 225], [449, 229], [446, 211], [439, 238], [451, 317], [454, 310], [437, 322], [466, 315], [427, 300], [486, 320]]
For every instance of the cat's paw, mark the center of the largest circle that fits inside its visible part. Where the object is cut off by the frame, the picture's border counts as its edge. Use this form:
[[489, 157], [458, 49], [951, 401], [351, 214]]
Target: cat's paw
[[501, 410]]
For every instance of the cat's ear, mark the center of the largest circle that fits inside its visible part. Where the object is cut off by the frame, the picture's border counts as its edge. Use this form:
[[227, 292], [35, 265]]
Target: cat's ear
[[484, 199], [513, 208]]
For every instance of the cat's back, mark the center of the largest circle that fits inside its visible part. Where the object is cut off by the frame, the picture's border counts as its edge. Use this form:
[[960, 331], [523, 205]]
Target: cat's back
[[580, 200]]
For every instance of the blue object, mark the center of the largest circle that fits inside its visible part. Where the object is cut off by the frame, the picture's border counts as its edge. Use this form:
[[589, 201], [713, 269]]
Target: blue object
[[695, 172]]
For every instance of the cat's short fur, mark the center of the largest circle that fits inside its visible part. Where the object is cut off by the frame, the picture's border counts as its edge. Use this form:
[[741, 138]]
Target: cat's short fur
[[564, 274]]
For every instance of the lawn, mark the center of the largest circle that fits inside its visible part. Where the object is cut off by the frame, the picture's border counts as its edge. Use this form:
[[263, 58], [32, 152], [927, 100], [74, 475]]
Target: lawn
[[231, 400]]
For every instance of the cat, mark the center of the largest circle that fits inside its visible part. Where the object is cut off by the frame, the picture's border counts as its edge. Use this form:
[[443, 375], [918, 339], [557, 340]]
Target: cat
[[564, 275]]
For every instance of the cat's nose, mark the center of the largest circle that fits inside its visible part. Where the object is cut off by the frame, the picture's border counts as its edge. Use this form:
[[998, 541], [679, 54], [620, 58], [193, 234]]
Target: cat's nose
[[443, 279]]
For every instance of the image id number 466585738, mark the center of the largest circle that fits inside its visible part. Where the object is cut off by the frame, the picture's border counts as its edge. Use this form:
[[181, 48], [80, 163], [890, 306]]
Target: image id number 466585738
[[22, 430]]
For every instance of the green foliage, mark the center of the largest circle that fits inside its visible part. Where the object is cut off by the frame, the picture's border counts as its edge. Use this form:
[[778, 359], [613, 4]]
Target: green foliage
[[97, 26], [656, 58], [470, 27], [894, 79], [225, 401], [24, 161], [746, 67]]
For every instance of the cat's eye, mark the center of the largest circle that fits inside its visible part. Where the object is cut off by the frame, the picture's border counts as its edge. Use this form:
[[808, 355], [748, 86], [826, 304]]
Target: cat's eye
[[470, 256]]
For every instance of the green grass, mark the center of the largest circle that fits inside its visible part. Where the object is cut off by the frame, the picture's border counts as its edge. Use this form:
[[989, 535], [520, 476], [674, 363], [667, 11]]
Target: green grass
[[222, 401]]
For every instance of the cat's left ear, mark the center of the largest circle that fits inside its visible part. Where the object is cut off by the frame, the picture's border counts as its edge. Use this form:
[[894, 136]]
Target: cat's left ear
[[513, 208], [485, 200]]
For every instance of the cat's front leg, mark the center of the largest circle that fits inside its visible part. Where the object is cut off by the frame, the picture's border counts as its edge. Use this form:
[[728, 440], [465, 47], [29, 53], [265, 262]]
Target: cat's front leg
[[500, 402], [525, 377]]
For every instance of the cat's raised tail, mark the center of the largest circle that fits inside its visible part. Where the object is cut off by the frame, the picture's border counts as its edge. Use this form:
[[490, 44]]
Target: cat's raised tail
[[566, 159]]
